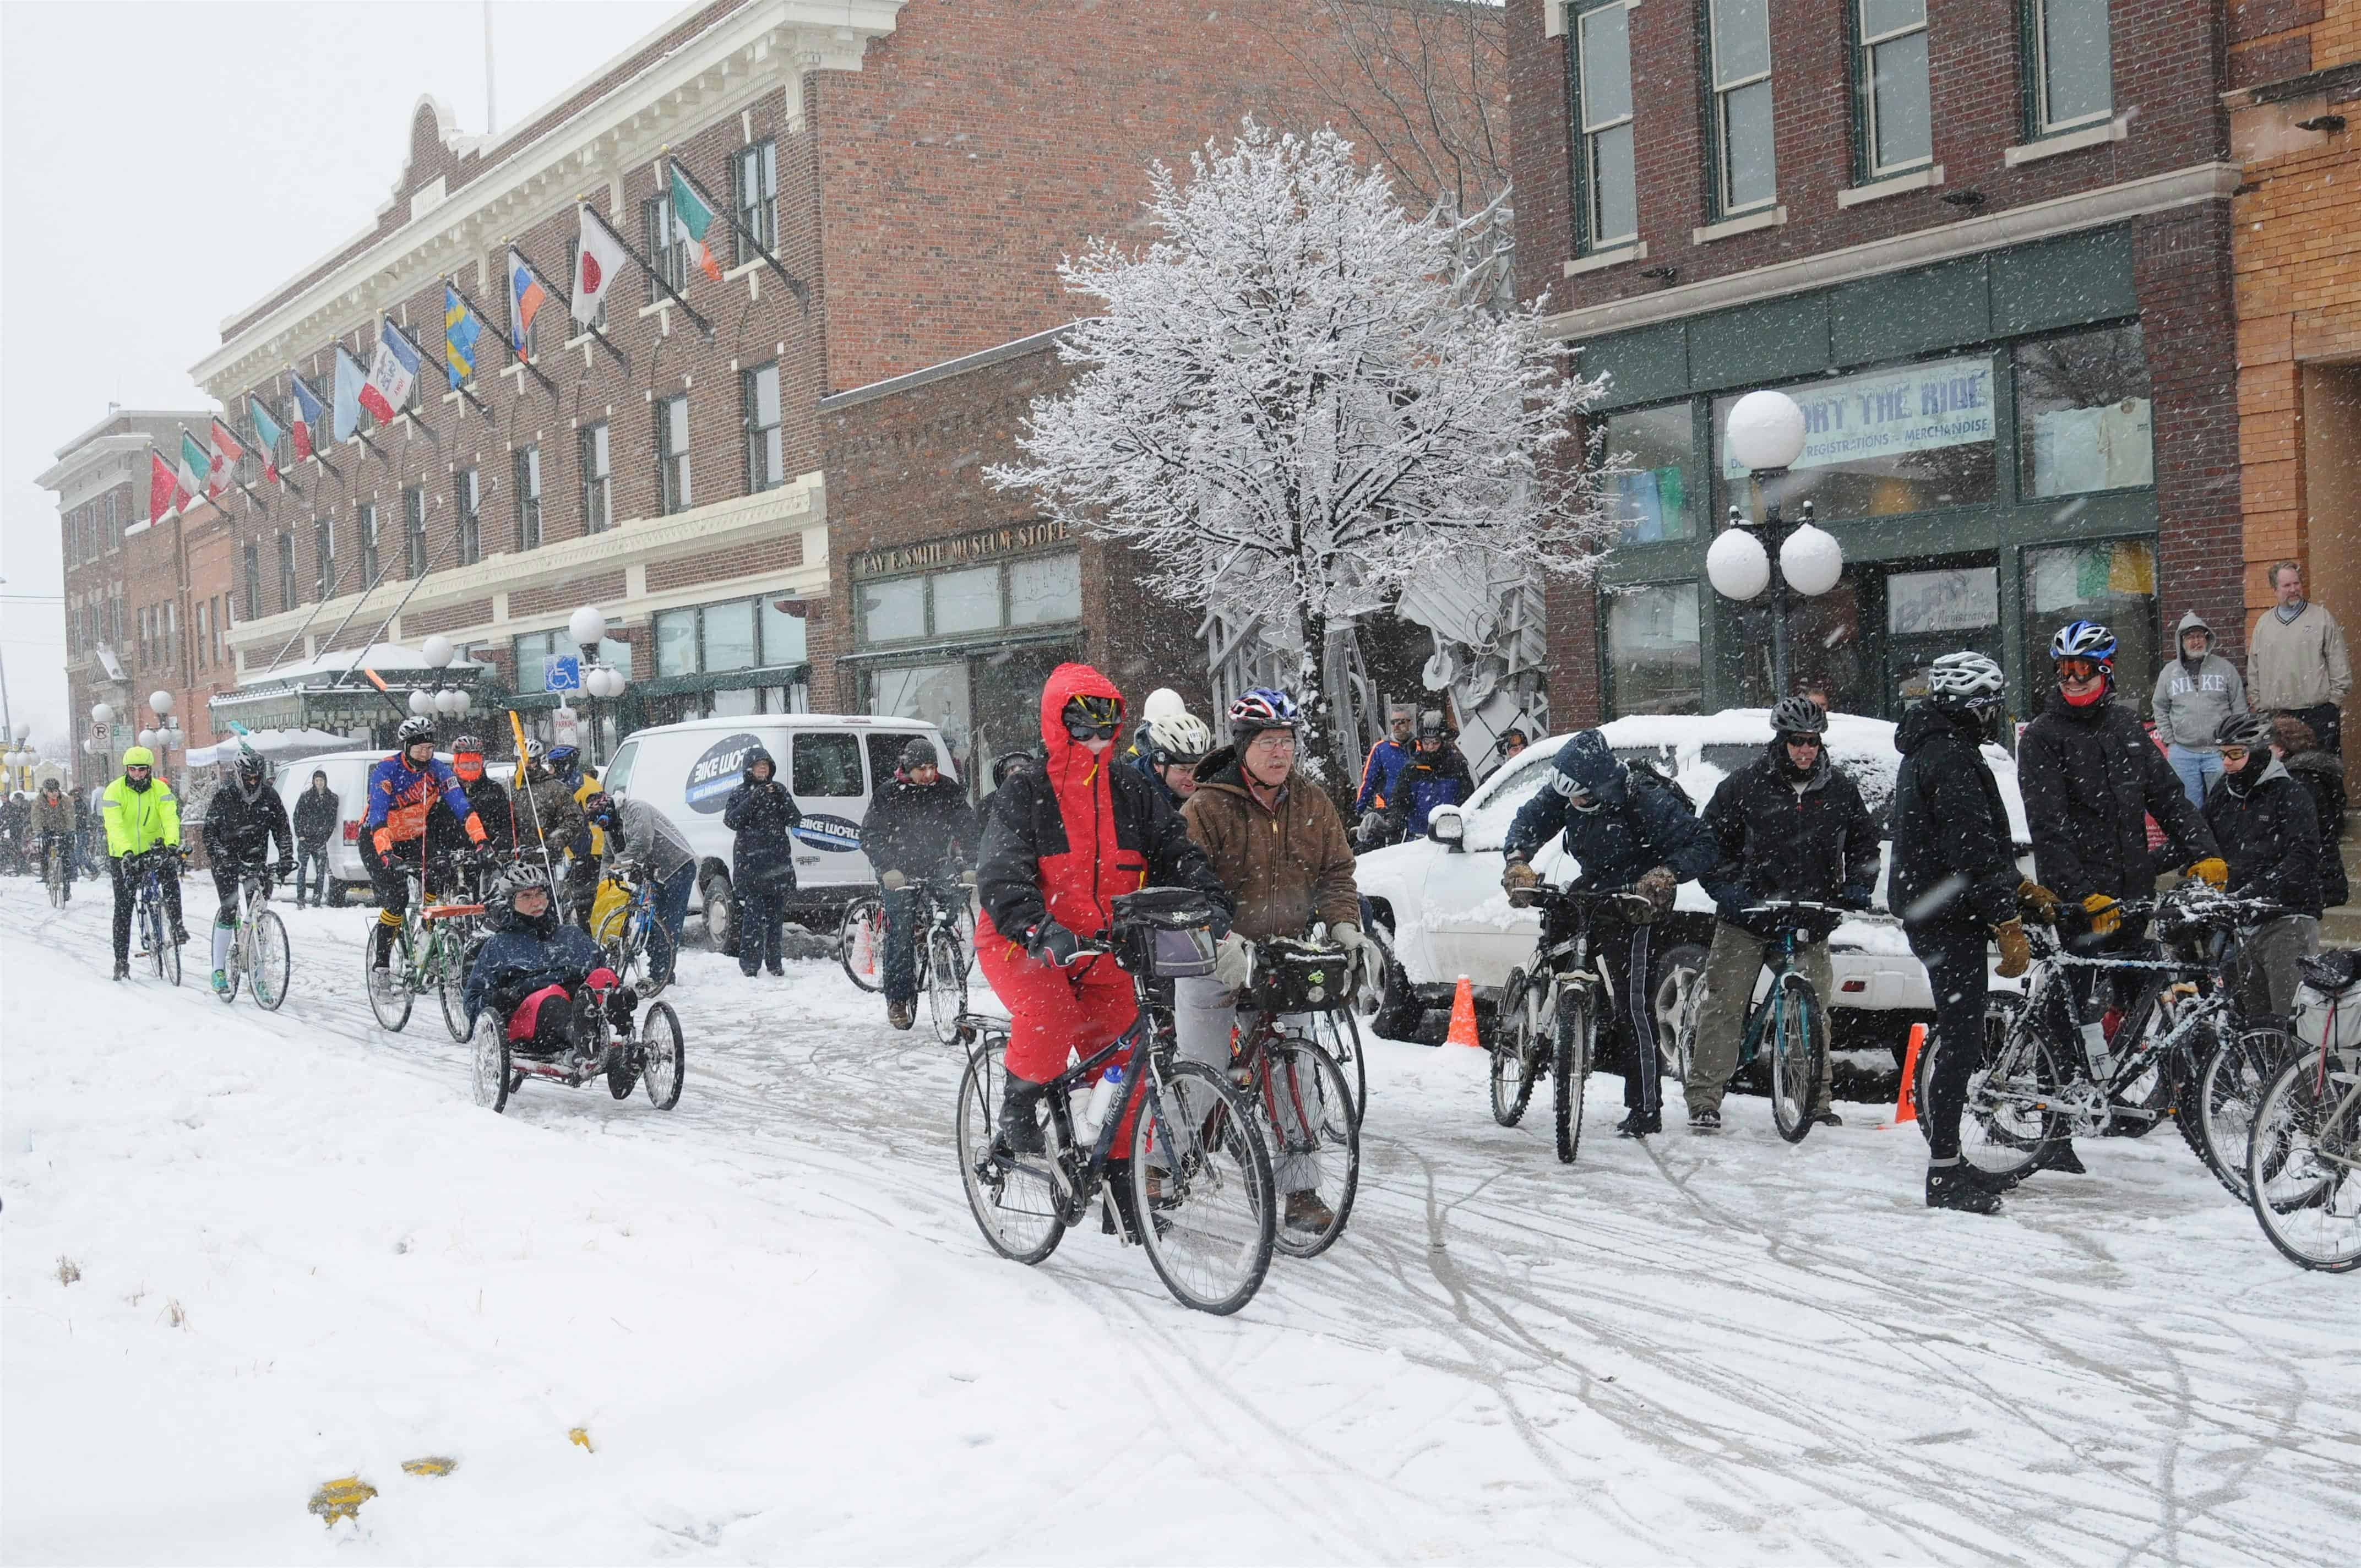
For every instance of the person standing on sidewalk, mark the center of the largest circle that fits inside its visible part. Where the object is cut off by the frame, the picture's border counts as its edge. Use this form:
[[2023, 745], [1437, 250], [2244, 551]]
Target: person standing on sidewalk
[[2296, 660], [317, 812], [2194, 693], [763, 817]]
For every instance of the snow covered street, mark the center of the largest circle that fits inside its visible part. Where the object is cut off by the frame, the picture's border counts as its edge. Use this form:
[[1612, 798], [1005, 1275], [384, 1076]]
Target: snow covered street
[[305, 1253]]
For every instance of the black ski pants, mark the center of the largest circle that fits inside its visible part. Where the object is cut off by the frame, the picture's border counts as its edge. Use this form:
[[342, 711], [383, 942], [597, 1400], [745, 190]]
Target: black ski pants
[[1956, 973], [126, 899]]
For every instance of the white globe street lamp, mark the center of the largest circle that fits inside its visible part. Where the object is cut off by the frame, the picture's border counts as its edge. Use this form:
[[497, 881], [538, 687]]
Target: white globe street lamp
[[437, 650], [1737, 564], [148, 738], [421, 702], [588, 627], [1765, 434], [102, 713]]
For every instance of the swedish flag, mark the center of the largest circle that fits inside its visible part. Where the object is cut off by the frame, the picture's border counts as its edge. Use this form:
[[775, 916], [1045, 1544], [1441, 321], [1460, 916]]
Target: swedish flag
[[460, 330]]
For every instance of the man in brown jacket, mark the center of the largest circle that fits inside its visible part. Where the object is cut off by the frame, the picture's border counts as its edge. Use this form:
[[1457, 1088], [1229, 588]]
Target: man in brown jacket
[[1279, 846]]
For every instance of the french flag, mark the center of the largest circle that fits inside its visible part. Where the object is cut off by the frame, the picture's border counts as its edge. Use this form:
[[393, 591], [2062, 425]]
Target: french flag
[[393, 371], [308, 410]]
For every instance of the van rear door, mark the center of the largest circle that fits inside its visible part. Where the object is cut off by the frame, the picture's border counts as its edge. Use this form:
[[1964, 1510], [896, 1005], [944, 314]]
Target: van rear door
[[825, 778]]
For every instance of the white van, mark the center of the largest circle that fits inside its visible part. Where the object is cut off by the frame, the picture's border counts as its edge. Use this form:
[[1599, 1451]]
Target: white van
[[832, 764], [348, 777]]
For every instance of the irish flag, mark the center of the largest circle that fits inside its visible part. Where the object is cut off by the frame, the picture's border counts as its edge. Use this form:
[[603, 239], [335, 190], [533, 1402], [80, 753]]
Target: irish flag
[[691, 219]]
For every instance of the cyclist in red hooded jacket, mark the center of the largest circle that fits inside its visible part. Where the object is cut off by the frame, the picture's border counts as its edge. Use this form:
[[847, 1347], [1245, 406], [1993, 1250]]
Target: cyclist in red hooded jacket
[[1063, 840]]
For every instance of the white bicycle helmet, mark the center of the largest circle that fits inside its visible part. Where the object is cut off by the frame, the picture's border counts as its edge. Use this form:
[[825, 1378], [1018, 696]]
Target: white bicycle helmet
[[1178, 738], [1966, 679]]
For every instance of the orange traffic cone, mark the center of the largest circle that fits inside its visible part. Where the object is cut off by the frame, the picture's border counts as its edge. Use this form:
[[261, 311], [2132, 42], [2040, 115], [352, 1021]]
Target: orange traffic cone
[[1905, 1104], [1463, 1017]]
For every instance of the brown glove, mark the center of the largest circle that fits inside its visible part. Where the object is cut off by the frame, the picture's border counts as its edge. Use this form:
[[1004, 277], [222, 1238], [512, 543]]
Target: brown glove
[[2037, 903], [2015, 953], [1520, 879], [1656, 886]]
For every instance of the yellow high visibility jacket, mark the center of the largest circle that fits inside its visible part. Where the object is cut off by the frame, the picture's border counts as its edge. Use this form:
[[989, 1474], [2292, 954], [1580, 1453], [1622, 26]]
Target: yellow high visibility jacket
[[136, 819]]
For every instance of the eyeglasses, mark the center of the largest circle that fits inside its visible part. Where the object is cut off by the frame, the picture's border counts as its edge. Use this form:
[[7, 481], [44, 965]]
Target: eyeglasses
[[2079, 669], [134, 767], [1274, 739]]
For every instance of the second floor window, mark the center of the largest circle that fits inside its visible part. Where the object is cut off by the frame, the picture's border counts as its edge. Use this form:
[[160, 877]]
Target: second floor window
[[253, 581], [2072, 66], [324, 557], [467, 493], [670, 257], [1602, 78], [365, 520], [755, 186], [766, 458], [1745, 170], [597, 480], [1890, 78], [671, 453], [528, 498], [413, 530], [287, 592]]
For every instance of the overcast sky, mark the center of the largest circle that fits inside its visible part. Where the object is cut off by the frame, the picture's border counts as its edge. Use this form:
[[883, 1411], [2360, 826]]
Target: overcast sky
[[162, 166]]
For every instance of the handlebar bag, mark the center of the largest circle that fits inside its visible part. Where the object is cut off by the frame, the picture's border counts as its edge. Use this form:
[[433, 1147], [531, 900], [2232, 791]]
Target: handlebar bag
[[1298, 977]]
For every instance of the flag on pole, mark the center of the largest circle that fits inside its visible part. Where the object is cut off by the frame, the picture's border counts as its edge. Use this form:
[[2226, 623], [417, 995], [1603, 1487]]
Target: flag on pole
[[163, 485], [349, 379], [527, 296], [267, 435], [597, 262], [196, 463], [691, 218], [460, 330], [392, 373], [226, 450], [307, 411]]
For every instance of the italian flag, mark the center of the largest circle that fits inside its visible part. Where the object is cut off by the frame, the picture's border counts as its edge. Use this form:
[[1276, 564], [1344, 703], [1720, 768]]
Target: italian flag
[[195, 464], [693, 218]]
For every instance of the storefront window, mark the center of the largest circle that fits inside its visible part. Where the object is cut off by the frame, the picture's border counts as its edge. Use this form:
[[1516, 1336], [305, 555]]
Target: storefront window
[[2113, 582], [729, 636], [783, 631], [938, 693], [1908, 439], [967, 601], [1656, 659], [1965, 598], [676, 642], [2082, 417], [1045, 590], [1652, 501], [893, 610]]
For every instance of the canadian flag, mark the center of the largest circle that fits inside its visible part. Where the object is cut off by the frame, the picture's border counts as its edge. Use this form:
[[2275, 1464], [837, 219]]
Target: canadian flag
[[597, 262]]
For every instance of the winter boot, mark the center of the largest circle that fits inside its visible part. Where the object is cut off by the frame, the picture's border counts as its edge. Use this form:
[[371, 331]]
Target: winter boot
[[2059, 1156], [1951, 1184], [382, 942], [1020, 1124], [899, 1014], [123, 969], [1826, 1116], [1638, 1124], [1705, 1122], [1308, 1214]]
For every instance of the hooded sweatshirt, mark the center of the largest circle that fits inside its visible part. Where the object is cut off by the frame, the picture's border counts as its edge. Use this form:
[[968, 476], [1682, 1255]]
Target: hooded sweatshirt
[[240, 826], [1081, 830], [2193, 695]]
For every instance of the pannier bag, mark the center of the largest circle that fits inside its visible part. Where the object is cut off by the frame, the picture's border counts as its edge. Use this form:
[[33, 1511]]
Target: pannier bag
[[2328, 1002]]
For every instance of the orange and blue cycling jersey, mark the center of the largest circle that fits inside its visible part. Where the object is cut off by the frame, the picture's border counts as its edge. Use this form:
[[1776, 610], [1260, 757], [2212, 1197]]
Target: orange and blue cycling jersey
[[399, 795]]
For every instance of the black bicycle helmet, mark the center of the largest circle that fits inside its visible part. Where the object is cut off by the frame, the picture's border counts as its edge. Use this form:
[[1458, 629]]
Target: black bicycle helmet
[[250, 765], [2252, 730], [1008, 764], [1798, 716]]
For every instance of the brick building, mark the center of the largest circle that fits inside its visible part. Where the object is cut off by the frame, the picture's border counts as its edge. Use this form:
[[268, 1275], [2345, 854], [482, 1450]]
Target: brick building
[[1985, 242], [2295, 131], [918, 169], [146, 609]]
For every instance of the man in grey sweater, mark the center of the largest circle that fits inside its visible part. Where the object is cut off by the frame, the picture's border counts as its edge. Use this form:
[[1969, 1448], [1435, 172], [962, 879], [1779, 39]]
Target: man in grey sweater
[[2296, 660], [2194, 693]]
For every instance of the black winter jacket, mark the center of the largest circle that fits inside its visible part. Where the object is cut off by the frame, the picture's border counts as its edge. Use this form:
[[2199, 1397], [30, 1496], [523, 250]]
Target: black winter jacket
[[317, 813], [918, 831], [764, 818], [445, 836], [240, 829], [2322, 772], [1954, 869], [1634, 829], [2270, 834], [2091, 778], [1776, 841]]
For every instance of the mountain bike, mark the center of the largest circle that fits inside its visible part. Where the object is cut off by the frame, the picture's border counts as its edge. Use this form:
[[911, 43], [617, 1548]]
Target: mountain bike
[[1786, 1019], [1310, 1119], [1549, 1011], [259, 947], [1197, 1191], [861, 943], [637, 946], [56, 872], [431, 952], [2303, 1161], [148, 921]]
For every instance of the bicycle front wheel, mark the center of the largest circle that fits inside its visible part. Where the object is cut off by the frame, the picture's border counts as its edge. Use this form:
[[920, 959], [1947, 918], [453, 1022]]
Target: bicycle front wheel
[[2237, 1073], [664, 1062], [2304, 1162], [388, 988], [451, 984], [1578, 1043], [1516, 1048], [1201, 1189], [1314, 1136], [1336, 1033], [946, 984], [1010, 1195], [861, 943], [1798, 1052], [160, 941], [271, 962]]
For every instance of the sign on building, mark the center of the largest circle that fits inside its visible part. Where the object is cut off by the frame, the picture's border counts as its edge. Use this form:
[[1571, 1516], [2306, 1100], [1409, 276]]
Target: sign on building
[[1915, 408], [562, 673]]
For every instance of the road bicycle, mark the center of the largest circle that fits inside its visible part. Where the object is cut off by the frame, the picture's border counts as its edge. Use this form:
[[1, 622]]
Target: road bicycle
[[1310, 1116], [56, 872], [2303, 1161], [1549, 1011], [432, 948], [259, 946], [1197, 1189], [148, 920], [639, 947]]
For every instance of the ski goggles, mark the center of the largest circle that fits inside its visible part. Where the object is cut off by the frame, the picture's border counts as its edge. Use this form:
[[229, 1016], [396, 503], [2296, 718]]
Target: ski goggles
[[2080, 669], [1093, 717], [2234, 754]]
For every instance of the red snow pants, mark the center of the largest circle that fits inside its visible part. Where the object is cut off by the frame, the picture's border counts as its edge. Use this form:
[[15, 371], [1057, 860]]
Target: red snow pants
[[1053, 1011]]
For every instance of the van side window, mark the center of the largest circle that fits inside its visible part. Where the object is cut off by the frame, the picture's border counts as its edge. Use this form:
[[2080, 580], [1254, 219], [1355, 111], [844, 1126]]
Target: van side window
[[619, 772], [828, 765], [886, 756]]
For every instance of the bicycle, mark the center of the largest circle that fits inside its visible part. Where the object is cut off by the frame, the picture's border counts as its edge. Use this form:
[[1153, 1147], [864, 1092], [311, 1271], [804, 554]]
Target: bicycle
[[635, 931], [431, 951], [1311, 1118], [259, 947], [1199, 1195], [1548, 1016], [55, 876], [154, 930], [1787, 1013], [2304, 1162]]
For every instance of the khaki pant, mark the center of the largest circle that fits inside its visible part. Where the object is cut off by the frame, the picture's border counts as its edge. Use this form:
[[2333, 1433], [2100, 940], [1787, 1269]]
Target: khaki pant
[[1730, 970]]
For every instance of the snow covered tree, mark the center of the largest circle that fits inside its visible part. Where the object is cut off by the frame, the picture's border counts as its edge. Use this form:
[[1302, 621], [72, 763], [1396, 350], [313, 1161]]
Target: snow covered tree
[[1293, 402]]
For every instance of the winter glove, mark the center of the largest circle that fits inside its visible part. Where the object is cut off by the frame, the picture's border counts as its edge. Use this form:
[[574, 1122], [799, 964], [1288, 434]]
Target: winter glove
[[2015, 953], [284, 870], [1656, 886], [1520, 879], [383, 839], [2106, 914], [1234, 962], [1052, 943], [2038, 904], [1347, 935], [1636, 908], [967, 878], [1370, 828], [893, 882], [2213, 870], [1856, 897]]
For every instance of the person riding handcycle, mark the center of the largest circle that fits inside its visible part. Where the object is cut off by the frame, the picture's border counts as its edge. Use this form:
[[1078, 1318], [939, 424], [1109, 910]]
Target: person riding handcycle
[[921, 829], [1276, 842], [1063, 839], [242, 819], [1624, 830], [393, 831], [142, 814], [541, 975], [1789, 825]]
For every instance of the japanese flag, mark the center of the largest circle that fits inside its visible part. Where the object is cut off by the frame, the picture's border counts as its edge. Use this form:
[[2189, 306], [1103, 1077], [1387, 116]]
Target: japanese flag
[[597, 262]]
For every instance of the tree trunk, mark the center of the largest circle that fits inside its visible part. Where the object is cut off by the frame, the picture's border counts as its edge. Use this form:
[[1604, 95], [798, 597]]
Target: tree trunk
[[1324, 731]]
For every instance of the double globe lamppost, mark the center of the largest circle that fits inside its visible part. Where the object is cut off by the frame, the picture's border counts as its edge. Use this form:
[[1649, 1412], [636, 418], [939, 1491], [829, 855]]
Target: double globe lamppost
[[1765, 435]]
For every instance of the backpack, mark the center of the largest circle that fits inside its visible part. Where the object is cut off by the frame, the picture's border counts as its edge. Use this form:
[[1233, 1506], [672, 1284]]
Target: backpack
[[1640, 771]]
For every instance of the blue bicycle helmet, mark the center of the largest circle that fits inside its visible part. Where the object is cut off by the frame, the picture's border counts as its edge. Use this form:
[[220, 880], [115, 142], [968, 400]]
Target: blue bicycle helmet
[[1260, 709], [2083, 640]]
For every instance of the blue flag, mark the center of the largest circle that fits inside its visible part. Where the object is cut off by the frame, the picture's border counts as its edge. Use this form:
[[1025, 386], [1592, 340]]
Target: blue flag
[[350, 379], [460, 330]]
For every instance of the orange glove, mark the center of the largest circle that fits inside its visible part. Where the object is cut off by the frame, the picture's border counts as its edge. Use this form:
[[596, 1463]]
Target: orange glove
[[383, 839], [2213, 870], [2106, 914], [474, 831]]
